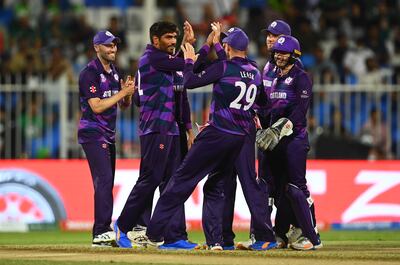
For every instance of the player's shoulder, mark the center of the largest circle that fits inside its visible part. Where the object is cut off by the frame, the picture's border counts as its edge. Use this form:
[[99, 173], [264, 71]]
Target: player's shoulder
[[89, 72], [302, 74]]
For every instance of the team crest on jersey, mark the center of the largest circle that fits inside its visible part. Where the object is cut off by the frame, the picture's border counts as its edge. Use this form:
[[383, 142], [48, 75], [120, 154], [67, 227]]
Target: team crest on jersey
[[116, 77], [304, 94], [288, 80], [201, 74], [179, 73], [92, 89], [161, 146], [103, 78], [104, 145]]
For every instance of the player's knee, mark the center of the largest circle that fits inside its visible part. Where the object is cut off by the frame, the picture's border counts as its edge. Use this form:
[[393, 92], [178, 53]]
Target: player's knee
[[294, 192]]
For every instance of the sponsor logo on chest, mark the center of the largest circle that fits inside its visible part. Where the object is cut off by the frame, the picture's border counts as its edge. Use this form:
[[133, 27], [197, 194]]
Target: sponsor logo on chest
[[278, 95], [269, 83], [109, 93]]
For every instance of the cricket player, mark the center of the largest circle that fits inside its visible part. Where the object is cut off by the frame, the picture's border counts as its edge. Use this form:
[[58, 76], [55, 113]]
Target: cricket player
[[218, 208], [100, 90], [267, 169], [217, 146], [289, 96], [163, 109]]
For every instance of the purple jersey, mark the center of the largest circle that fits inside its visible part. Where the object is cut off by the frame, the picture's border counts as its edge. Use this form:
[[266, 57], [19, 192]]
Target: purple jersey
[[289, 96], [269, 76], [234, 92], [95, 82], [158, 77]]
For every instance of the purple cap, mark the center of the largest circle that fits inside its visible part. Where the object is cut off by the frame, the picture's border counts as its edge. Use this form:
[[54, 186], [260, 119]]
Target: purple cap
[[287, 44], [237, 39], [105, 37], [279, 27]]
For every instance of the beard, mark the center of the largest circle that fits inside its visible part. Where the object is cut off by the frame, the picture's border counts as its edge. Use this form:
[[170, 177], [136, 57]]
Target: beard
[[110, 58], [170, 49]]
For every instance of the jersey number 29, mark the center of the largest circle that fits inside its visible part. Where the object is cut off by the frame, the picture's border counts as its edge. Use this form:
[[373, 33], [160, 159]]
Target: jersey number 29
[[250, 93]]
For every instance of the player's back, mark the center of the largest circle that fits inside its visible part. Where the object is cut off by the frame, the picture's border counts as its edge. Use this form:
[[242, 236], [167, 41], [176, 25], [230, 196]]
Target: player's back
[[234, 95]]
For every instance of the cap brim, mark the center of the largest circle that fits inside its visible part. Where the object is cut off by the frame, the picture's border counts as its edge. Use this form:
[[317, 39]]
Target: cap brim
[[266, 31], [111, 40]]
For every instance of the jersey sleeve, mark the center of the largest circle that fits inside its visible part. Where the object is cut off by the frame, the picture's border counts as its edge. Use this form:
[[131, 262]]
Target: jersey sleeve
[[219, 50], [162, 61], [303, 98], [186, 111], [208, 76], [89, 85]]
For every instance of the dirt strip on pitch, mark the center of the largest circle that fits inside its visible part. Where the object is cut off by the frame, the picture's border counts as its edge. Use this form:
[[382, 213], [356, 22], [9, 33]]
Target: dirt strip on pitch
[[278, 257]]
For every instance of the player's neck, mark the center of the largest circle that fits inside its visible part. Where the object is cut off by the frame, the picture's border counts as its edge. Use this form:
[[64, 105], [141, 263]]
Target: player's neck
[[286, 70], [237, 55], [106, 64]]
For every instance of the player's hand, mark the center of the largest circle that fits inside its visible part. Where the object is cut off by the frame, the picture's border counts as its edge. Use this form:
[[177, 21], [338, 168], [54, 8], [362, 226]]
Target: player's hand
[[216, 28], [188, 52], [188, 35], [190, 138], [269, 138], [210, 38], [128, 86]]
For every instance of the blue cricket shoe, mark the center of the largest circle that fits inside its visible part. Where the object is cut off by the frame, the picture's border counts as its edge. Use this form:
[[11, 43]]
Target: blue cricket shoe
[[180, 244], [228, 247], [263, 245], [121, 238]]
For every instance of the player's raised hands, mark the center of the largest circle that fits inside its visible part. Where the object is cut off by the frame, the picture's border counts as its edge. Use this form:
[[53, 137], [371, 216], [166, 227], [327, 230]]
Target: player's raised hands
[[216, 28], [128, 86], [188, 51], [188, 33], [210, 38]]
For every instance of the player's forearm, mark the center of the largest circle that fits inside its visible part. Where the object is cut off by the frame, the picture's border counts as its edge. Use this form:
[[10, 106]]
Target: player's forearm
[[100, 105], [167, 63], [221, 54], [208, 76]]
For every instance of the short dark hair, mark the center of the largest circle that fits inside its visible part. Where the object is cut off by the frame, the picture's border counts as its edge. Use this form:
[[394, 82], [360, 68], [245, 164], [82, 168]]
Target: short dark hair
[[162, 27]]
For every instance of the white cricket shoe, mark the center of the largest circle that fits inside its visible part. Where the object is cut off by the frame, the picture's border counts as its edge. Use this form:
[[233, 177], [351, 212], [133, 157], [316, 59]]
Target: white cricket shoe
[[293, 234], [106, 239], [138, 237], [305, 244], [246, 244], [216, 247]]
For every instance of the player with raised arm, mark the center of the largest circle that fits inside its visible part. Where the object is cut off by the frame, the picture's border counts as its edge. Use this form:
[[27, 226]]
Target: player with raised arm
[[100, 91], [288, 102], [163, 109], [218, 207], [217, 146]]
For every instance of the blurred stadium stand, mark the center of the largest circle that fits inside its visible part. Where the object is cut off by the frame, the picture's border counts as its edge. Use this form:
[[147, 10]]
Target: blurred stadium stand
[[351, 48]]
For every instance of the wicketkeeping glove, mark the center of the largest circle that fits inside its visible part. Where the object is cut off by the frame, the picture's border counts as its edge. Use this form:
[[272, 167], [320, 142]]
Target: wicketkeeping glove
[[267, 139]]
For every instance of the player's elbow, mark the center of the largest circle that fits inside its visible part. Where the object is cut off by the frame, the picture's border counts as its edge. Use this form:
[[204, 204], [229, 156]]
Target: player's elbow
[[97, 109]]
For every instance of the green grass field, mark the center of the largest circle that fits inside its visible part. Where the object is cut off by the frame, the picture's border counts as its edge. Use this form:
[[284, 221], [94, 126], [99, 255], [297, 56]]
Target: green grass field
[[60, 248]]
